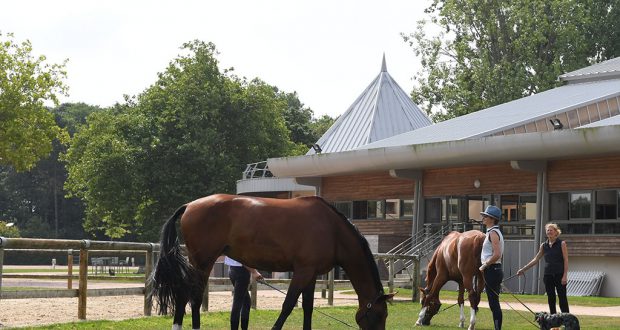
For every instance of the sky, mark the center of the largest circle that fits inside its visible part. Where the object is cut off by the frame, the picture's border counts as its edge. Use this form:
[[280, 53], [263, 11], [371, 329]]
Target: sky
[[326, 51]]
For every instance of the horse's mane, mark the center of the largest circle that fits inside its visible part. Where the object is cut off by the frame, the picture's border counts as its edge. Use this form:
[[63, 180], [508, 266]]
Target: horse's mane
[[363, 242]]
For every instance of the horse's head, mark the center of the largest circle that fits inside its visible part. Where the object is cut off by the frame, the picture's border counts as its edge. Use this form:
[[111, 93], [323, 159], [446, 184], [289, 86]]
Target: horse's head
[[430, 307], [373, 315]]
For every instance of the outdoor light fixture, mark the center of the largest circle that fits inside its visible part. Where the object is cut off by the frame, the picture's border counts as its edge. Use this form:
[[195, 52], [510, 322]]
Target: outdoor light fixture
[[476, 183], [557, 124], [317, 148]]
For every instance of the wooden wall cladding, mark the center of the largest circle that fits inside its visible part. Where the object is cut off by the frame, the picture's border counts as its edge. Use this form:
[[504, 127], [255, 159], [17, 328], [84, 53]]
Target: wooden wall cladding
[[384, 227], [494, 179], [588, 173], [592, 246], [366, 186]]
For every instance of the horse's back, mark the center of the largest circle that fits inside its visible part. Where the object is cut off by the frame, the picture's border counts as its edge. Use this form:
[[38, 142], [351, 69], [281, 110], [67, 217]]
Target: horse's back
[[266, 233], [469, 249]]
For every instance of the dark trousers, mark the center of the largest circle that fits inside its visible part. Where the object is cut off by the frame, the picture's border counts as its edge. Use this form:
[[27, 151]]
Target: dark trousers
[[493, 276], [240, 278], [553, 283]]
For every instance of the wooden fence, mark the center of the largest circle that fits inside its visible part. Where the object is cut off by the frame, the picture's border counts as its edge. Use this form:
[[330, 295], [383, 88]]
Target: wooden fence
[[84, 248]]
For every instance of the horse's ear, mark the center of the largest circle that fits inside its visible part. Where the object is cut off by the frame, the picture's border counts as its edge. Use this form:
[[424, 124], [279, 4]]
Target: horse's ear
[[388, 297]]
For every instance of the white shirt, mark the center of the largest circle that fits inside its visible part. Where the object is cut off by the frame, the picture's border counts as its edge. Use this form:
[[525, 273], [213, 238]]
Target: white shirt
[[232, 262], [487, 246]]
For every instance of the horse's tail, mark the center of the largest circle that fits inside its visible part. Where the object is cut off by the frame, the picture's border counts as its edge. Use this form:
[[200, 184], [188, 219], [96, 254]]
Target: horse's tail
[[170, 279]]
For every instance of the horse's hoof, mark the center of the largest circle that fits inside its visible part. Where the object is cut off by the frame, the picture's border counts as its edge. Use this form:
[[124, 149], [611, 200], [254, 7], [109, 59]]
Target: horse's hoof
[[461, 324], [471, 327]]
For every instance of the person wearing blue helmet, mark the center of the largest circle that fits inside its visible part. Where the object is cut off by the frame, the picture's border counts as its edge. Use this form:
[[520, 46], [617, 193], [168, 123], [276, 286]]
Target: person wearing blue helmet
[[491, 258]]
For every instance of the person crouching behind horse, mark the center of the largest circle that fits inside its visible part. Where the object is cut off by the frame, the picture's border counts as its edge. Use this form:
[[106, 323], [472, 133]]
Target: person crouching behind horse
[[240, 277], [491, 257], [556, 267]]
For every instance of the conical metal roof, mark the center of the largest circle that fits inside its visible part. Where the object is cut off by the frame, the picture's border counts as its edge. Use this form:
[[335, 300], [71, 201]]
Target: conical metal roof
[[381, 111]]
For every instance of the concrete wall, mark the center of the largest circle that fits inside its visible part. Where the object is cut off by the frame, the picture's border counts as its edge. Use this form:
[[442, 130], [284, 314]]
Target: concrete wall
[[609, 265]]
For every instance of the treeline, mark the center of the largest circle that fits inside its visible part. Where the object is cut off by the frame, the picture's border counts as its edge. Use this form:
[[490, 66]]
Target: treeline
[[125, 169]]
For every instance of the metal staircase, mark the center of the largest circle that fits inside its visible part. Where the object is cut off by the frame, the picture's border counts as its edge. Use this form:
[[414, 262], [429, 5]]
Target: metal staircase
[[418, 245]]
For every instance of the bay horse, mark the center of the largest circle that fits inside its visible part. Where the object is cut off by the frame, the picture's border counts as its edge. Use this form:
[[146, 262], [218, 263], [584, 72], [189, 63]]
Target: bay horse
[[305, 235], [457, 258]]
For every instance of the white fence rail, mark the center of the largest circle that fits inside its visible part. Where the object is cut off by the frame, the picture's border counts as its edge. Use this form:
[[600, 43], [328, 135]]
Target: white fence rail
[[584, 283]]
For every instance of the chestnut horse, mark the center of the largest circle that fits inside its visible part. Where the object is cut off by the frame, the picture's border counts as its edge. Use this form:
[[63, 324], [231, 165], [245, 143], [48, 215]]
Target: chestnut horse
[[457, 258], [305, 235]]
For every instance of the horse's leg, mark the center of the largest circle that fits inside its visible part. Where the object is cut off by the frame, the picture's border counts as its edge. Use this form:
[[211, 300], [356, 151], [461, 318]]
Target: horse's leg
[[474, 298], [179, 312], [461, 302], [196, 302], [301, 279], [308, 304]]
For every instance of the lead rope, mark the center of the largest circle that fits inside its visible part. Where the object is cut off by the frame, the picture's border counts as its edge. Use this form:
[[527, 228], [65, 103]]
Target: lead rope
[[519, 300], [324, 314]]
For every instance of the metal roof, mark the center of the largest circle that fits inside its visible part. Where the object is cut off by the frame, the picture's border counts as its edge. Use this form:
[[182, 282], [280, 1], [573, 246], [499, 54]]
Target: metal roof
[[609, 69], [505, 116], [381, 111], [527, 146], [615, 120]]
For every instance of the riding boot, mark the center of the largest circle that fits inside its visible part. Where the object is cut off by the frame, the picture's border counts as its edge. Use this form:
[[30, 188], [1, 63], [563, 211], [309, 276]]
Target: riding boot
[[498, 324]]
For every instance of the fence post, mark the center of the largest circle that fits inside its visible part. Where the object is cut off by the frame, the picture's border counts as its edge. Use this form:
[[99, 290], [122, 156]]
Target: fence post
[[1, 265], [148, 286], [415, 280], [391, 275], [70, 269], [253, 291], [83, 285], [330, 283]]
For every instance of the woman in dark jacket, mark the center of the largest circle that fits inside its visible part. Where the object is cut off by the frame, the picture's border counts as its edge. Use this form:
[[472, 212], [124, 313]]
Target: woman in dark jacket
[[556, 268]]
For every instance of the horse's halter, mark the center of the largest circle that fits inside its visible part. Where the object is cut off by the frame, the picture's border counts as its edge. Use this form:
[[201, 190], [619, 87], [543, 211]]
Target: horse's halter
[[368, 308]]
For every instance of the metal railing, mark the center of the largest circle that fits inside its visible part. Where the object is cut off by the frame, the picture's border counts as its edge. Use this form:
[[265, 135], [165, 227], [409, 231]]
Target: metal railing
[[584, 283], [418, 246], [257, 171]]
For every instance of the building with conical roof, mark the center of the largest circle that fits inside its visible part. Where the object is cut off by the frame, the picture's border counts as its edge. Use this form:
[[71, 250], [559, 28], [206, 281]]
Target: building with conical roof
[[381, 111]]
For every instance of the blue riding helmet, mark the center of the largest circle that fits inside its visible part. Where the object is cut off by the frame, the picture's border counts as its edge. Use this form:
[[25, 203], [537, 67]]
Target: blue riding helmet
[[493, 212]]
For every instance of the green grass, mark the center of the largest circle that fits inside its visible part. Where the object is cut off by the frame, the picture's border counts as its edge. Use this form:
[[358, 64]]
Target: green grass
[[34, 270], [402, 315], [526, 298]]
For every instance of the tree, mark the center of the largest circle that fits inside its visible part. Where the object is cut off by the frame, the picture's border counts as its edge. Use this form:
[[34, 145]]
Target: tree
[[27, 128], [492, 52], [34, 200], [188, 135], [8, 229]]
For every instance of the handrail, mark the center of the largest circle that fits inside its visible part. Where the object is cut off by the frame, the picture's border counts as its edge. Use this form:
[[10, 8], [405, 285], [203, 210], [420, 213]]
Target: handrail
[[256, 171]]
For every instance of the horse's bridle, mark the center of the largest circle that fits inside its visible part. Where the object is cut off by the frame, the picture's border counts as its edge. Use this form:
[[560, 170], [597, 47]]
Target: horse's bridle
[[368, 307]]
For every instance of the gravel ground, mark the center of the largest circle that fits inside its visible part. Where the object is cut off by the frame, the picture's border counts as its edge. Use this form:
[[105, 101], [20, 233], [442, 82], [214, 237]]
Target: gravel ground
[[30, 312]]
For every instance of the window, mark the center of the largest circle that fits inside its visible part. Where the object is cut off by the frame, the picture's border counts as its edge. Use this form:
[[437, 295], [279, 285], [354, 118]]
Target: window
[[453, 209], [360, 209], [527, 208], [432, 210], [392, 208], [375, 209], [344, 208], [406, 209], [558, 206], [580, 205], [509, 207], [606, 204]]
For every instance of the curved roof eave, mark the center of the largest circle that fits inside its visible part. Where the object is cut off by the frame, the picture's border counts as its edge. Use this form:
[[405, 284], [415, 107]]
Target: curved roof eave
[[528, 146]]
